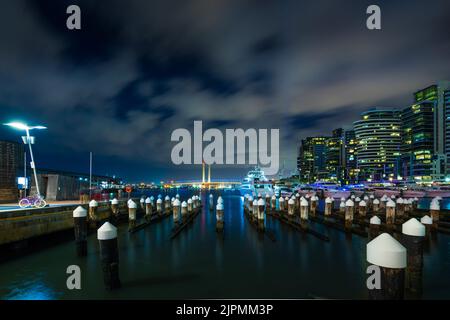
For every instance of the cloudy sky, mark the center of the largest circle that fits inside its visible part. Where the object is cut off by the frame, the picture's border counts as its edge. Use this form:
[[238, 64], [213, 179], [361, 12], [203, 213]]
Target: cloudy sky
[[139, 69]]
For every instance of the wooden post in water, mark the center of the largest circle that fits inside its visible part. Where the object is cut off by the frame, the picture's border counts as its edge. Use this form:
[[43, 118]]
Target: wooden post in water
[[109, 255], [297, 202], [434, 212], [132, 206], [342, 207], [250, 206], [114, 209], [142, 203], [304, 214], [389, 259], [356, 201], [93, 205], [211, 202], [291, 209], [375, 206], [400, 207], [159, 208], [374, 227], [194, 202], [314, 200], [189, 206], [328, 207], [176, 211], [413, 238], [390, 212], [148, 208], [281, 204], [349, 213], [362, 209], [369, 203], [167, 204], [80, 229], [219, 217], [260, 215], [383, 202], [427, 222], [273, 203], [255, 210], [267, 199], [415, 203], [184, 210]]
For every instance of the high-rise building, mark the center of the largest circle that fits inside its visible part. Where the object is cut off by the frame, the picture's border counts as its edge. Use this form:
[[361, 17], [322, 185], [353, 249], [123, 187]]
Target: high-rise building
[[349, 155], [311, 160], [439, 95], [11, 160], [333, 155], [378, 144], [417, 142]]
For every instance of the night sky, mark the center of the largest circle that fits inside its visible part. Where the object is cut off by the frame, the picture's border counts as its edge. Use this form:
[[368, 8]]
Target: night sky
[[139, 69]]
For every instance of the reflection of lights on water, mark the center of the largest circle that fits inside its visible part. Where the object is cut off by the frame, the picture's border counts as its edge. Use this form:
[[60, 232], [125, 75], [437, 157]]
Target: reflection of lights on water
[[32, 290]]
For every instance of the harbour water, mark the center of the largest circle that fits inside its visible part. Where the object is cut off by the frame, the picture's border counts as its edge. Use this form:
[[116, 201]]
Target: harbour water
[[200, 263]]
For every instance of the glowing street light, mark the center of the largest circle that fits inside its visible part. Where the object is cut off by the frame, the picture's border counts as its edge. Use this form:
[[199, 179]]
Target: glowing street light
[[29, 140]]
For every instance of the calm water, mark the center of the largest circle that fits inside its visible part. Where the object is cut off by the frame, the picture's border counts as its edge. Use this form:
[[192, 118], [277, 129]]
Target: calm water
[[201, 264]]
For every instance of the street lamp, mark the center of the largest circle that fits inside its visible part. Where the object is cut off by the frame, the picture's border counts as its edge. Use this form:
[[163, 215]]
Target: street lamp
[[29, 140]]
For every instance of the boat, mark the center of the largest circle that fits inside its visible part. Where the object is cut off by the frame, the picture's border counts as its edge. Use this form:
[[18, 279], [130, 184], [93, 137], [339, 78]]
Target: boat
[[255, 182]]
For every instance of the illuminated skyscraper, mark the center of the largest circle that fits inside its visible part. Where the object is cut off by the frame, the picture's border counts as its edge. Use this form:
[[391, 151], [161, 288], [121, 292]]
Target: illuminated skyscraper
[[312, 160], [378, 144], [333, 155]]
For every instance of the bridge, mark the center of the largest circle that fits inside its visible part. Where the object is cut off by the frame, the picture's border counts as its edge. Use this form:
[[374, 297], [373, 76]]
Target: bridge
[[205, 184]]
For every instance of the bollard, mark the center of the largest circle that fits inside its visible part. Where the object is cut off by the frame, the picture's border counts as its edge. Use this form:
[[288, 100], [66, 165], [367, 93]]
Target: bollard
[[328, 206], [281, 204], [434, 213], [357, 200], [362, 209], [427, 222], [371, 199], [400, 207], [314, 200], [159, 206], [375, 206], [167, 204], [259, 195], [220, 200], [390, 212], [189, 206], [255, 210], [304, 209], [250, 206], [413, 238], [273, 203], [268, 204], [142, 203], [219, 217], [406, 207], [115, 208], [211, 202], [80, 229], [176, 211], [148, 208], [349, 213], [184, 210], [93, 205], [342, 207], [260, 216], [383, 202], [374, 227], [177, 196], [194, 203], [291, 209], [109, 255], [297, 201], [132, 214], [390, 256], [415, 203]]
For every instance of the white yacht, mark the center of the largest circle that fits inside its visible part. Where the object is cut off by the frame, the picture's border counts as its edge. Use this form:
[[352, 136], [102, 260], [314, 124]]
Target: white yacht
[[256, 182]]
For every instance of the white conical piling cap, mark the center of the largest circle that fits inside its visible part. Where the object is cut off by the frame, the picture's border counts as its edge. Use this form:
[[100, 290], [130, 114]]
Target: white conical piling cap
[[352, 196], [416, 199], [184, 204], [286, 198], [93, 203], [261, 202], [400, 201], [439, 198], [177, 196], [211, 196], [291, 201], [107, 232], [159, 196], [328, 200], [357, 199], [307, 196], [426, 220], [189, 201], [219, 206], [255, 203], [167, 198], [176, 203], [152, 198], [314, 198], [274, 197], [393, 197], [79, 212], [343, 199], [434, 205], [142, 200], [362, 203], [302, 198], [159, 201], [385, 251], [371, 196], [148, 200], [384, 197], [376, 201], [366, 198], [375, 220], [390, 203], [132, 204], [219, 199], [304, 203], [297, 195], [342, 204], [349, 203], [413, 227], [114, 201], [172, 199], [259, 195], [250, 198], [281, 199]]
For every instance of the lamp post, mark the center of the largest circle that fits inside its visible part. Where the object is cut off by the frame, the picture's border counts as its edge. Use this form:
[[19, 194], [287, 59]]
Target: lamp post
[[29, 141]]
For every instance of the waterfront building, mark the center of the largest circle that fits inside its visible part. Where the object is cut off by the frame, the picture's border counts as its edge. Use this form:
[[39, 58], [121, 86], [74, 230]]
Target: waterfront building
[[312, 159], [349, 155], [417, 146], [378, 135], [11, 161], [334, 155]]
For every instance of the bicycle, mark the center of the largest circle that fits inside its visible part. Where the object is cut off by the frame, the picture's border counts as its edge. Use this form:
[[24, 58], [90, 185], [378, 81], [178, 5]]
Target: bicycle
[[32, 201]]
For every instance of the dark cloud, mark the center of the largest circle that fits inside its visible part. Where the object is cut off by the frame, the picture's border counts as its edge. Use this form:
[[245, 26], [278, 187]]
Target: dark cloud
[[139, 69]]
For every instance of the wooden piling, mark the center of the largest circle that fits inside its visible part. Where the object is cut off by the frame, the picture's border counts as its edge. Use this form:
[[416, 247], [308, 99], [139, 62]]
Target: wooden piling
[[115, 209], [131, 214], [80, 229], [273, 203], [211, 202], [349, 213], [93, 206], [428, 223], [255, 208], [390, 257], [374, 227], [342, 207], [189, 206], [314, 200], [291, 209], [219, 217], [400, 208], [176, 211], [281, 204], [260, 213], [362, 209], [375, 206], [413, 234], [148, 208], [184, 210], [434, 213], [328, 206], [167, 205], [142, 203], [109, 256], [390, 212]]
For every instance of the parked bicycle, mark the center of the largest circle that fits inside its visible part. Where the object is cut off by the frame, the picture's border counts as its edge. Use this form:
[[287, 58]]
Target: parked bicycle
[[32, 201]]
